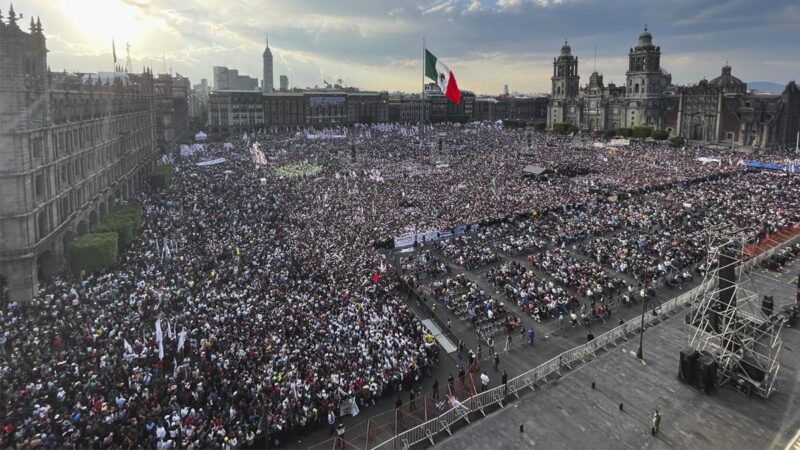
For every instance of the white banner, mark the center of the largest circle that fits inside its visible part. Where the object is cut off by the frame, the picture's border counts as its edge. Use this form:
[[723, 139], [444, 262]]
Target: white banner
[[404, 241]]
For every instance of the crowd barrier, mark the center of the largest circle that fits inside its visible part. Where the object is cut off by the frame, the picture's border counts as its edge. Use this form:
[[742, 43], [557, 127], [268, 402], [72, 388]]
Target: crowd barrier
[[497, 395]]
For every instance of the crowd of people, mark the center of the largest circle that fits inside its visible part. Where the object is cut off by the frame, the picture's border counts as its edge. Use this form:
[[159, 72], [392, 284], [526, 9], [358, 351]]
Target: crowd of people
[[272, 309], [466, 300]]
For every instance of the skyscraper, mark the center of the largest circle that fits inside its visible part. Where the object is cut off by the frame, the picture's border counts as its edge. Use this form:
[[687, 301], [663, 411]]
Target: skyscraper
[[267, 82], [284, 83]]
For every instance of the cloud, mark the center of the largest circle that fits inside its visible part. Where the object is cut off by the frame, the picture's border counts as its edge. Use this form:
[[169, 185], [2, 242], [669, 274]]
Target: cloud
[[446, 6], [376, 44]]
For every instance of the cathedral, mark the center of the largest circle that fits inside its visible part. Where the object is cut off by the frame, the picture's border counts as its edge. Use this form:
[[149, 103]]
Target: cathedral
[[717, 111]]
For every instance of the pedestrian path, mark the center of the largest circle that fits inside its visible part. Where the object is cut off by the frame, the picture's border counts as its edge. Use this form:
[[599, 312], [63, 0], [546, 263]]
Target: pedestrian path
[[441, 338]]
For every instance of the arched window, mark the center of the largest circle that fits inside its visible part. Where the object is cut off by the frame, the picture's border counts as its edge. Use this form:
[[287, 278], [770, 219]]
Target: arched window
[[558, 90], [636, 88]]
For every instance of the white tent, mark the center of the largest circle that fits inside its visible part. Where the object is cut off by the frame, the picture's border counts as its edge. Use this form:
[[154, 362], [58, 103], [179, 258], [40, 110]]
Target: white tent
[[200, 136]]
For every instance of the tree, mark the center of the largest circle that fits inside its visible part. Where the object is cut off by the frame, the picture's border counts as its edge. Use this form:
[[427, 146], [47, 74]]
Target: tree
[[642, 132], [677, 141], [92, 252], [124, 221], [624, 132], [562, 127], [161, 175], [660, 135], [609, 134]]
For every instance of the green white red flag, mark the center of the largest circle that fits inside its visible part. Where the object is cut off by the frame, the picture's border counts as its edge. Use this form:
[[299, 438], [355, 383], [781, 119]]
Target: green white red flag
[[443, 76]]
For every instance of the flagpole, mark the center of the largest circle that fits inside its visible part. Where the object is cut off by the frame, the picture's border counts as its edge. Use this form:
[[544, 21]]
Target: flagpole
[[422, 96]]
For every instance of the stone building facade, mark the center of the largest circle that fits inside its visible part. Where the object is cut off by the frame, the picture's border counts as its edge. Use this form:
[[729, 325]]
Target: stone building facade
[[716, 111], [247, 110], [71, 147]]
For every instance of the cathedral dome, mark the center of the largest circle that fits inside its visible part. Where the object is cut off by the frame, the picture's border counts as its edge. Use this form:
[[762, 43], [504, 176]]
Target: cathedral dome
[[566, 50], [728, 82], [645, 39]]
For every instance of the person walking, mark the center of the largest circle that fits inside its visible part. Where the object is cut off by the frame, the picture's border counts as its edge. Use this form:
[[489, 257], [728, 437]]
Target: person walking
[[436, 389], [412, 404], [531, 335], [490, 343], [461, 375], [504, 379], [460, 348], [496, 361], [590, 336], [398, 408], [340, 435], [508, 340], [484, 381], [331, 422], [656, 422]]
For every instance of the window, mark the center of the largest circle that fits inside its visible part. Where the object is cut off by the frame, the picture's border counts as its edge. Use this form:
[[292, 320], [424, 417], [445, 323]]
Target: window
[[636, 88], [36, 147], [39, 186]]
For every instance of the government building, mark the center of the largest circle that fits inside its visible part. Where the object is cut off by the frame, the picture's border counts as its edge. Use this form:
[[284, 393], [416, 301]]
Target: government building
[[717, 111], [71, 147]]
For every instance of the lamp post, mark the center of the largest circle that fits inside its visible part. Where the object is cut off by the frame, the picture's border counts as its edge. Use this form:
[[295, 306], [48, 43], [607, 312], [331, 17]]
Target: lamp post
[[641, 330]]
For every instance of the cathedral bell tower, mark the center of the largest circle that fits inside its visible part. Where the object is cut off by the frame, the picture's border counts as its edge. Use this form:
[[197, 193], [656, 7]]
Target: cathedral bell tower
[[564, 89], [565, 74]]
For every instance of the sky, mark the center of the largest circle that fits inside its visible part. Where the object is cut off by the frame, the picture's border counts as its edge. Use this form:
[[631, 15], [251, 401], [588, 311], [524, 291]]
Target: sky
[[377, 44]]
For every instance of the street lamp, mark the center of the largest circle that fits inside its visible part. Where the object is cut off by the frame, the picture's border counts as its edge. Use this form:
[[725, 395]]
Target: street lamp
[[641, 329]]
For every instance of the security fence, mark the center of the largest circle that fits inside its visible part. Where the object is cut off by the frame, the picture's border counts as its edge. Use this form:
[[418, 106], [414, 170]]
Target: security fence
[[460, 410]]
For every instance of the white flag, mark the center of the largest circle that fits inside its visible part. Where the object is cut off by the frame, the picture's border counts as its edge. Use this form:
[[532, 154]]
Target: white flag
[[181, 339], [160, 339]]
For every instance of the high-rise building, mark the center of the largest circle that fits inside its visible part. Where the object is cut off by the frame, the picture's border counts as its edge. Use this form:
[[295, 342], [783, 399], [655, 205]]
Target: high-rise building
[[71, 147], [267, 84], [284, 83], [229, 80]]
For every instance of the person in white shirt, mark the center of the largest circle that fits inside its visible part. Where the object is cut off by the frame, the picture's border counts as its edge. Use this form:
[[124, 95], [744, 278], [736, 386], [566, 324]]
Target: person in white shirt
[[484, 381]]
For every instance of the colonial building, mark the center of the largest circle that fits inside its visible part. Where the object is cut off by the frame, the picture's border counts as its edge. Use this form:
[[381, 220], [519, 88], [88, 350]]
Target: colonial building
[[248, 110], [71, 146], [172, 110], [716, 111], [528, 109]]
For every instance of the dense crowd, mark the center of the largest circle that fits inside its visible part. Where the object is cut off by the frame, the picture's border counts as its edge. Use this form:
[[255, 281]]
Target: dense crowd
[[253, 304]]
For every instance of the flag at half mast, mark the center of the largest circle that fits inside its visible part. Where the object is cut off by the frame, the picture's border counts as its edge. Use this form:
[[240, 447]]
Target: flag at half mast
[[443, 76]]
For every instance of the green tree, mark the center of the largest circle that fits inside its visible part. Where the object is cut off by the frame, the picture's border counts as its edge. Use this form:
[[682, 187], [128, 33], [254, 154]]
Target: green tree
[[677, 141], [125, 221], [562, 127], [161, 175], [92, 252], [641, 132], [624, 132], [660, 135]]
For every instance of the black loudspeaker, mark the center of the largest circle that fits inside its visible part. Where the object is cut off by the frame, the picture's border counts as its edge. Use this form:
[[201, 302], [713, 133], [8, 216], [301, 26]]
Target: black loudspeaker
[[688, 365], [767, 306], [706, 373]]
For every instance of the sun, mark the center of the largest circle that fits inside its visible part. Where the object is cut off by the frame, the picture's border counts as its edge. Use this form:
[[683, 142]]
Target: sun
[[100, 20]]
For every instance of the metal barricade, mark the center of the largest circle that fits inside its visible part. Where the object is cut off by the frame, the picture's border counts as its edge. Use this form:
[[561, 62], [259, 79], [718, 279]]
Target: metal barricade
[[571, 356], [591, 347]]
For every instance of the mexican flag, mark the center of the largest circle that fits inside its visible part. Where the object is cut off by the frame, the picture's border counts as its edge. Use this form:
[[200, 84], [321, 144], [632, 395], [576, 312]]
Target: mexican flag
[[444, 77]]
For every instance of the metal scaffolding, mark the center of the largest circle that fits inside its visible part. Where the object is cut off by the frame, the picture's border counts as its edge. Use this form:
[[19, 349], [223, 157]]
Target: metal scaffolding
[[729, 323]]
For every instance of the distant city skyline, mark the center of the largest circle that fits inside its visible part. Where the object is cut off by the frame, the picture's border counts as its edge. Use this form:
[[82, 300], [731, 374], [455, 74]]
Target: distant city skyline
[[377, 44]]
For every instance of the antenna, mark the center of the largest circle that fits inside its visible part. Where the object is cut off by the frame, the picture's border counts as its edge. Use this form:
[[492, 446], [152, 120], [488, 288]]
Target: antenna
[[595, 57], [164, 62]]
